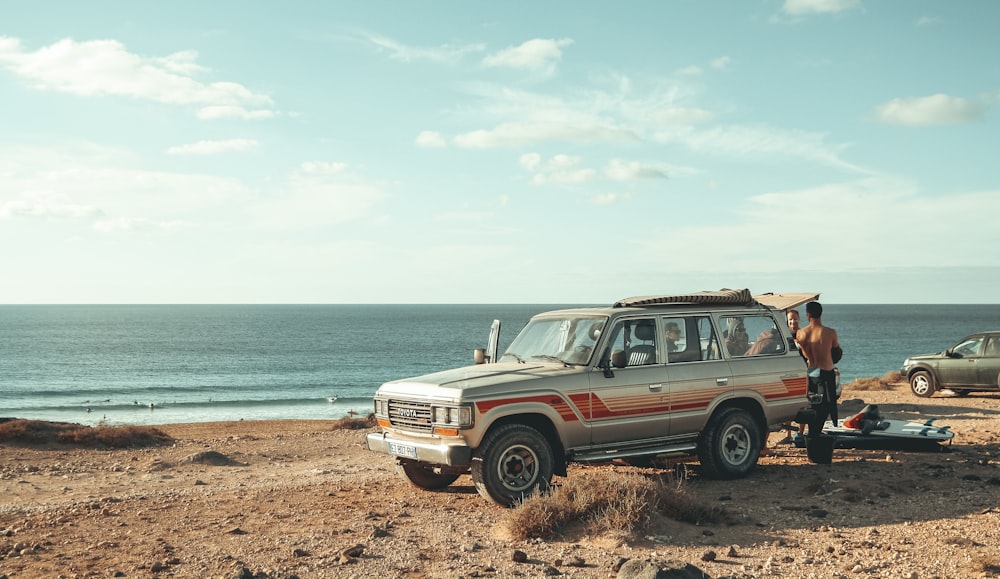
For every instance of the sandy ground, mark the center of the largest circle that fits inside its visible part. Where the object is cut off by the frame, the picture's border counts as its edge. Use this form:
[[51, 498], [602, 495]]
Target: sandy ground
[[288, 498]]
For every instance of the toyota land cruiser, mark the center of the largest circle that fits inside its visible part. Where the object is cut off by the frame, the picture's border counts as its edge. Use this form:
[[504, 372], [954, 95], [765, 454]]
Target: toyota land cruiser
[[703, 374]]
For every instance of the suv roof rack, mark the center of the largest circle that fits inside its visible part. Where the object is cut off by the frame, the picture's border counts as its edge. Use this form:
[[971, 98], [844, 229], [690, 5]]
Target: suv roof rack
[[724, 296]]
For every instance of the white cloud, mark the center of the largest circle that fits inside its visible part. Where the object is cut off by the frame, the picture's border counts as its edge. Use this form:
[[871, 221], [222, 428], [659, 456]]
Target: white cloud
[[44, 204], [721, 63], [873, 217], [521, 134], [317, 195], [679, 115], [605, 199], [802, 7], [535, 54], [619, 170], [928, 21], [105, 67], [560, 169], [322, 168], [126, 224], [530, 161], [86, 183], [233, 112], [213, 147], [939, 109], [444, 54], [692, 70], [430, 140], [753, 142]]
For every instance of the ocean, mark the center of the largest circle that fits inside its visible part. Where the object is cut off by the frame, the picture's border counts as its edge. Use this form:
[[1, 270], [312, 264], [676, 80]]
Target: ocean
[[158, 364]]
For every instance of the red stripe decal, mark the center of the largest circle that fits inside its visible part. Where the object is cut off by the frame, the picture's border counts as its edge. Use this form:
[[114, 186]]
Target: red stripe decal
[[557, 404]]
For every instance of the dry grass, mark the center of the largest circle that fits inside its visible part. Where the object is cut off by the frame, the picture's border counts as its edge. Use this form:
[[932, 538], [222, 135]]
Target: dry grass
[[41, 432], [353, 423], [886, 382], [606, 504]]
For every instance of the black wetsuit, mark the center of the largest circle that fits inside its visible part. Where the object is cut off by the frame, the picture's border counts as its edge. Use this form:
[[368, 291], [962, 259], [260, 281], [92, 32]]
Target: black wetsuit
[[825, 384]]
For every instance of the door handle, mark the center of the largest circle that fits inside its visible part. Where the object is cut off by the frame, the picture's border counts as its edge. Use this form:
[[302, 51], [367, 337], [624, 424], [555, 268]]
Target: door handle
[[721, 381], [655, 387]]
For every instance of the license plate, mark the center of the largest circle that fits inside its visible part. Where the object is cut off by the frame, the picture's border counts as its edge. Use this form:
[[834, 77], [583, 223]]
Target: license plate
[[403, 450]]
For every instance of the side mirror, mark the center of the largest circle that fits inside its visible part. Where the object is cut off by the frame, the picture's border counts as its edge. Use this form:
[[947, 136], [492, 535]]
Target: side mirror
[[479, 355], [605, 365]]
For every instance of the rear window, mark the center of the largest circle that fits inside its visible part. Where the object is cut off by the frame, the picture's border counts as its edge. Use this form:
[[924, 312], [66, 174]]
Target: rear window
[[751, 335]]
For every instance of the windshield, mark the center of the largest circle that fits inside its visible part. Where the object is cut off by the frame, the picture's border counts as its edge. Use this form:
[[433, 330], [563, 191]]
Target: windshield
[[565, 339]]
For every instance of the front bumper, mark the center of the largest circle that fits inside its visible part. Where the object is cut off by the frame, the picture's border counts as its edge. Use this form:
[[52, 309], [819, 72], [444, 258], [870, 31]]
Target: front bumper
[[430, 452]]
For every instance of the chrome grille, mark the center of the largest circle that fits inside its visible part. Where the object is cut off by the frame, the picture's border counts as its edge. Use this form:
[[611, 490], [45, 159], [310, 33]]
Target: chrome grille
[[410, 415]]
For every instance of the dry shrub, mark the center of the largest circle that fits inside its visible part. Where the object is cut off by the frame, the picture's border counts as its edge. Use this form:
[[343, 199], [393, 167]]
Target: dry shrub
[[893, 377], [43, 432], [353, 423], [605, 503], [869, 384], [115, 436], [983, 565]]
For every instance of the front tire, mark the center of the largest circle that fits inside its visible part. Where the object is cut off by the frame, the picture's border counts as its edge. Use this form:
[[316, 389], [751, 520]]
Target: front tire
[[512, 463], [922, 384], [425, 476], [730, 444]]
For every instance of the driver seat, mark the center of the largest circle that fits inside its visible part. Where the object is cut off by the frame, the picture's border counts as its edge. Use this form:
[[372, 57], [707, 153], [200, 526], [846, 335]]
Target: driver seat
[[643, 354]]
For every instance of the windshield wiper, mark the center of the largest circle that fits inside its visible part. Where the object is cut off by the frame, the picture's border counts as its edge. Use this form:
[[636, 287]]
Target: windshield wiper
[[516, 357], [551, 358]]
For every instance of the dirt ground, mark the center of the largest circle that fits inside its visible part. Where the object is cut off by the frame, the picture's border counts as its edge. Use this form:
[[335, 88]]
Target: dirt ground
[[297, 499]]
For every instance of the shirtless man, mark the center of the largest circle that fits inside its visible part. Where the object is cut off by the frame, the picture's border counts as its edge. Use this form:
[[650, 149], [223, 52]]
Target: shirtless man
[[817, 342]]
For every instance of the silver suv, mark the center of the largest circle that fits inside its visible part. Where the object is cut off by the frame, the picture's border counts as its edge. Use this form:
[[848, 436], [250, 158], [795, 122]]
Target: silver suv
[[701, 374]]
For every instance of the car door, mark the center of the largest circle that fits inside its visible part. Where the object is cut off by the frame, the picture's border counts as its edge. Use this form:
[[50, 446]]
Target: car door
[[988, 365], [629, 403], [696, 372], [959, 368]]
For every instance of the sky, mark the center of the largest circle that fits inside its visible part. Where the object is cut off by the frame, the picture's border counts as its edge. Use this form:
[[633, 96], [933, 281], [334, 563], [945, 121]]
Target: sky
[[498, 152]]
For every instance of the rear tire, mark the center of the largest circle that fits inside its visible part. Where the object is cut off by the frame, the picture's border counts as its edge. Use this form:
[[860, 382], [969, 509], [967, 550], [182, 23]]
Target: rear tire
[[424, 476], [730, 444], [922, 384], [513, 462]]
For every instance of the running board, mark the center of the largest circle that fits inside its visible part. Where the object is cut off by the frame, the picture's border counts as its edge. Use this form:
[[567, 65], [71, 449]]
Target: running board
[[605, 455]]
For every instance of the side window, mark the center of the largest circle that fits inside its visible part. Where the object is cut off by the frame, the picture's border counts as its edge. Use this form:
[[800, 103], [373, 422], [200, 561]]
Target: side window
[[675, 334], [993, 348], [690, 339], [633, 343], [734, 335], [970, 347], [755, 335]]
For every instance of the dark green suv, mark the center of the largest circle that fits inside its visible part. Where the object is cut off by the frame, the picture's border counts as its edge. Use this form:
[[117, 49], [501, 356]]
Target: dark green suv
[[971, 365]]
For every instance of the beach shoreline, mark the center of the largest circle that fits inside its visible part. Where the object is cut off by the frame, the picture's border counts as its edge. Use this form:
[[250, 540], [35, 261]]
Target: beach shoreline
[[287, 498]]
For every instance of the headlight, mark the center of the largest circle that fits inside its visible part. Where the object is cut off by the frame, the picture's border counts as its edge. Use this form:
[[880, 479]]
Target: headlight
[[458, 416], [381, 407]]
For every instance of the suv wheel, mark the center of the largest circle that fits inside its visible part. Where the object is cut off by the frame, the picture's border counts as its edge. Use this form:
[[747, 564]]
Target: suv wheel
[[513, 462], [730, 444], [424, 476], [922, 384]]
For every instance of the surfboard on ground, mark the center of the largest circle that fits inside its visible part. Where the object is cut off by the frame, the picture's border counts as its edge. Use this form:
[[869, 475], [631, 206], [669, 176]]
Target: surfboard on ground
[[894, 429]]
